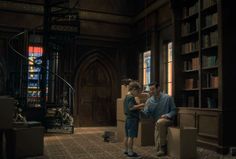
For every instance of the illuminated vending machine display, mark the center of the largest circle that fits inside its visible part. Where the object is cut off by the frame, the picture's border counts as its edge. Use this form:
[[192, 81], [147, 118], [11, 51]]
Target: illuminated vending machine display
[[34, 75]]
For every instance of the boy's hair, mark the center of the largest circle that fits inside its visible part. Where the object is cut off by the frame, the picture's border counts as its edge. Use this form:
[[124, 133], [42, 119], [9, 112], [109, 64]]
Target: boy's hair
[[154, 83], [134, 85]]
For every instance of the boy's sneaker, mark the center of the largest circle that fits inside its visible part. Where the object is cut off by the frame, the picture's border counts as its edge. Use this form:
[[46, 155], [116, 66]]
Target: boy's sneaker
[[133, 154], [126, 152]]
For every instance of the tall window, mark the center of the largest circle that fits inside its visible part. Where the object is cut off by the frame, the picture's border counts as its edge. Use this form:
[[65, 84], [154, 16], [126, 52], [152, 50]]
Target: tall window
[[34, 76], [167, 73], [145, 69], [34, 72], [170, 68]]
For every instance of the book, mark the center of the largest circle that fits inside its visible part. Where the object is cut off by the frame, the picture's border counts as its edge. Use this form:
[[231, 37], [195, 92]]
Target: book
[[191, 101], [211, 102]]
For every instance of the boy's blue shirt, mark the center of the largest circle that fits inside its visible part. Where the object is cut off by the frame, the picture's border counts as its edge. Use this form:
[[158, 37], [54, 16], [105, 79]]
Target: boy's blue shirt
[[129, 103]]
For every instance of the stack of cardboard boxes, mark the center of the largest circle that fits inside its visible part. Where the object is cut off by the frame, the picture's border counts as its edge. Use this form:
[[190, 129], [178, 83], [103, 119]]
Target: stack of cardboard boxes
[[18, 140], [6, 118], [25, 141], [146, 126], [6, 112]]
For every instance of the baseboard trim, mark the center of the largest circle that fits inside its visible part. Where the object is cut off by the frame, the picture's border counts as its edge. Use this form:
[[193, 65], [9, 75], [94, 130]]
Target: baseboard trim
[[214, 147]]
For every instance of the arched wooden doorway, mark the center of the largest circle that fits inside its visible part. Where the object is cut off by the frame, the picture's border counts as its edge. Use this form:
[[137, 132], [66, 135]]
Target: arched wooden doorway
[[95, 104]]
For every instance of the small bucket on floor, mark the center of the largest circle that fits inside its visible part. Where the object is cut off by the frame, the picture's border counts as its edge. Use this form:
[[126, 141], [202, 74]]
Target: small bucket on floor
[[109, 136]]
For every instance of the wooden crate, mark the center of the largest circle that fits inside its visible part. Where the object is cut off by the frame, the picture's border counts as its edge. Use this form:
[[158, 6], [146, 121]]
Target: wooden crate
[[182, 143], [25, 142]]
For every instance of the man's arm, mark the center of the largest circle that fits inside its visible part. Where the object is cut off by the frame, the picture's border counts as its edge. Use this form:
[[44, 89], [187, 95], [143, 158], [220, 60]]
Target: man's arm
[[172, 108], [146, 109], [138, 106]]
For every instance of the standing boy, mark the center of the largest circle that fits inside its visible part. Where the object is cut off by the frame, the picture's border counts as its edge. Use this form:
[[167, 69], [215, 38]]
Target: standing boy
[[131, 110]]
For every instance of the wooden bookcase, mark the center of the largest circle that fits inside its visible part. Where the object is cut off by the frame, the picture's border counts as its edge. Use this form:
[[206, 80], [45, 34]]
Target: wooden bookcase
[[201, 83]]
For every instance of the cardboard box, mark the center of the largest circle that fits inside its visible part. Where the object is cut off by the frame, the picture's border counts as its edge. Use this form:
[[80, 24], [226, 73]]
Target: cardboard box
[[124, 91], [182, 143], [120, 130], [145, 132], [24, 142], [120, 109], [6, 112]]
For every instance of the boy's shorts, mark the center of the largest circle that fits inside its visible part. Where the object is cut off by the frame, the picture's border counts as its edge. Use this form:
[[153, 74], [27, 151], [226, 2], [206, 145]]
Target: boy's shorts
[[131, 127]]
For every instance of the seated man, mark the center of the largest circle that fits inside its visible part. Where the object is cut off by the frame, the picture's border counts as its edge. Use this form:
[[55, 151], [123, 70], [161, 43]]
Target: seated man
[[161, 107]]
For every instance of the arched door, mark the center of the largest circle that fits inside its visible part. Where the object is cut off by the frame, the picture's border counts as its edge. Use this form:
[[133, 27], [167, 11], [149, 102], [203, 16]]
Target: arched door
[[94, 95]]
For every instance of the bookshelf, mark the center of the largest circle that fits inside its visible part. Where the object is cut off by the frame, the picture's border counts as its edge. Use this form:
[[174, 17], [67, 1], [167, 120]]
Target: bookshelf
[[197, 54], [198, 50], [201, 83]]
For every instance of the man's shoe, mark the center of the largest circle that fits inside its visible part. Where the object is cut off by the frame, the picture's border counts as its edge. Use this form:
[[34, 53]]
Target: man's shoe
[[162, 151]]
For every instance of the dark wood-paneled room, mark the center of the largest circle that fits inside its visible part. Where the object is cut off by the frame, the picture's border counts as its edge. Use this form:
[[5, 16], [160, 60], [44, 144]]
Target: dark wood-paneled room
[[64, 66]]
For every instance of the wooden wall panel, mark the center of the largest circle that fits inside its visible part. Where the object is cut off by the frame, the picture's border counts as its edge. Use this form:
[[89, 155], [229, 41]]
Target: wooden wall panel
[[208, 125], [104, 29], [165, 10], [122, 7]]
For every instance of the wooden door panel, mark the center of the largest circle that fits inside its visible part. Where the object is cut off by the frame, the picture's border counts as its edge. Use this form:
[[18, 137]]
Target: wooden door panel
[[94, 106], [86, 110]]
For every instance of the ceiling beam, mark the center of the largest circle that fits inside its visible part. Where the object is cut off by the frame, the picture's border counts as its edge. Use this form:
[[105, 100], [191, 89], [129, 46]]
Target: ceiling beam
[[151, 8], [21, 7], [23, 2]]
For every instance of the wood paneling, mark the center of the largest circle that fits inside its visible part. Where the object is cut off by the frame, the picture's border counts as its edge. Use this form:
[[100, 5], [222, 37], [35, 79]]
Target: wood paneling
[[95, 95], [208, 126], [101, 29], [207, 123], [120, 7]]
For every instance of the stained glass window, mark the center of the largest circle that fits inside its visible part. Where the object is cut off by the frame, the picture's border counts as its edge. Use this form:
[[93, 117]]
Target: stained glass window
[[34, 76], [146, 69], [34, 73]]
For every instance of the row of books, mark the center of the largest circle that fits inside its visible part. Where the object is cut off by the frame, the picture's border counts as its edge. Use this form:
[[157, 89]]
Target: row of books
[[211, 102], [189, 47], [191, 64], [210, 39], [191, 83], [189, 27], [208, 3], [211, 19], [210, 80], [208, 61], [191, 101], [188, 11]]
